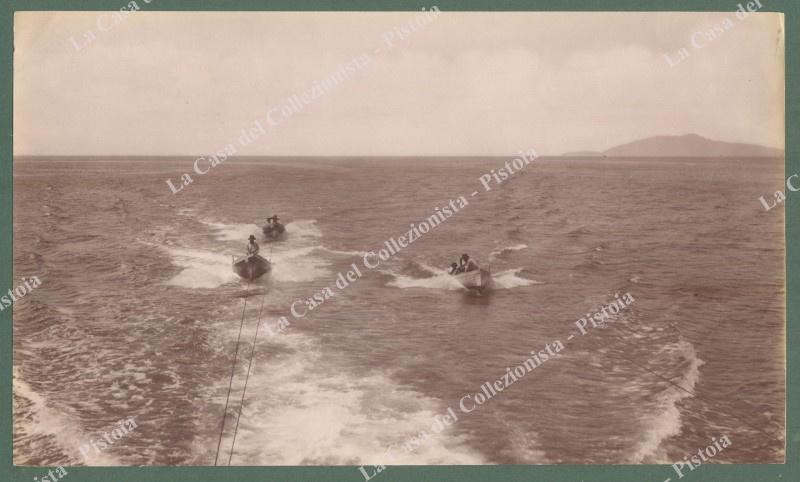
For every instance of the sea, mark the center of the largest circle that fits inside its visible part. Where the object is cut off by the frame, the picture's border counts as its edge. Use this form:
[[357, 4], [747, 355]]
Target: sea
[[138, 313]]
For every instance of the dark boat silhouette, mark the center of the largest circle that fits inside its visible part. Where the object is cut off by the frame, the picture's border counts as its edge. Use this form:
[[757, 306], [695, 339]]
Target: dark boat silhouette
[[274, 231], [251, 267], [479, 280]]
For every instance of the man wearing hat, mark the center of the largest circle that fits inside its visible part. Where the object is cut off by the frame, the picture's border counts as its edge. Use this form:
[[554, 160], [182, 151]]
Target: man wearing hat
[[466, 264], [252, 247]]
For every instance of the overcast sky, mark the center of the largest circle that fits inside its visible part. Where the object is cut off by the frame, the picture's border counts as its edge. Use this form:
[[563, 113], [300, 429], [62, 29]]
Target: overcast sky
[[466, 83]]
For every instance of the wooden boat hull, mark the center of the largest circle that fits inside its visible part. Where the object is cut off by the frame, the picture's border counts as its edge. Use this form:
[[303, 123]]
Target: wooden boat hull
[[251, 267], [274, 232], [478, 280]]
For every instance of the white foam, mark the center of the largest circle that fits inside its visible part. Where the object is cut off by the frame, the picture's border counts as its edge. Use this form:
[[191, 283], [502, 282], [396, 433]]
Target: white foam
[[189, 212], [233, 232], [301, 410], [667, 422], [344, 252], [442, 280], [297, 230], [516, 247], [292, 260], [296, 265], [47, 421], [509, 279], [201, 269], [303, 228]]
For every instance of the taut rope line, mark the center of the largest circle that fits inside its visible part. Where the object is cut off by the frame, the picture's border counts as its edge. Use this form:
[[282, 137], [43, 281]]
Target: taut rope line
[[247, 377], [230, 383]]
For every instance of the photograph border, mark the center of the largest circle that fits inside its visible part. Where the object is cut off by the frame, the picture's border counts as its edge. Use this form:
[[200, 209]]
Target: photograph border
[[527, 473]]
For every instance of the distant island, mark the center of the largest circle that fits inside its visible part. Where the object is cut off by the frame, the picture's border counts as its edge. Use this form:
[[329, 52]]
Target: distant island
[[689, 145]]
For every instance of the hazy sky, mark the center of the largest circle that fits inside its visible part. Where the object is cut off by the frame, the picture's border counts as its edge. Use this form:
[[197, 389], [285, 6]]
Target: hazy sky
[[466, 83]]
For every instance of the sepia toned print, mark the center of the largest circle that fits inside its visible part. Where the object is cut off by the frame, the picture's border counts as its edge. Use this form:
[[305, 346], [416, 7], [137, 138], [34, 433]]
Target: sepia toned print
[[398, 238]]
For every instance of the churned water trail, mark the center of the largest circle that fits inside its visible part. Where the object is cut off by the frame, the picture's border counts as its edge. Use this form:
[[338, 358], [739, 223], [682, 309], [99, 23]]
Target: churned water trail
[[139, 309]]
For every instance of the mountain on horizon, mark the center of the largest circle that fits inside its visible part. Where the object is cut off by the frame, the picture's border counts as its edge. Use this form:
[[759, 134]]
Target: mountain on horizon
[[688, 145]]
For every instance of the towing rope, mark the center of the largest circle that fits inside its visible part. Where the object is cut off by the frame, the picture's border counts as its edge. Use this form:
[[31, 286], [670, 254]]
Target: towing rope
[[230, 384], [233, 372], [247, 377]]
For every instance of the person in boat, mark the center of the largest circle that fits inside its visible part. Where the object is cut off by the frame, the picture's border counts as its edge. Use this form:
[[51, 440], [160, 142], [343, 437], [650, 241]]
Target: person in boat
[[454, 268], [275, 220], [466, 264], [252, 247]]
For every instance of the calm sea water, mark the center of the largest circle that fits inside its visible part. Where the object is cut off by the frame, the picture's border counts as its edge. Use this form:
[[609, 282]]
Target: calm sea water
[[138, 312]]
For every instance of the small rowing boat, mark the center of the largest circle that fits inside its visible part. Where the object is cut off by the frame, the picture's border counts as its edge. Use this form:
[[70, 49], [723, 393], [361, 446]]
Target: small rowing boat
[[251, 267], [274, 231], [478, 280]]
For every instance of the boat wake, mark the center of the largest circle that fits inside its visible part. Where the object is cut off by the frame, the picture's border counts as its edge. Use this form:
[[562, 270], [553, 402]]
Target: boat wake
[[298, 265], [302, 229], [502, 252], [233, 232], [306, 410], [38, 425], [440, 279], [510, 278], [665, 421], [201, 268], [293, 260]]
